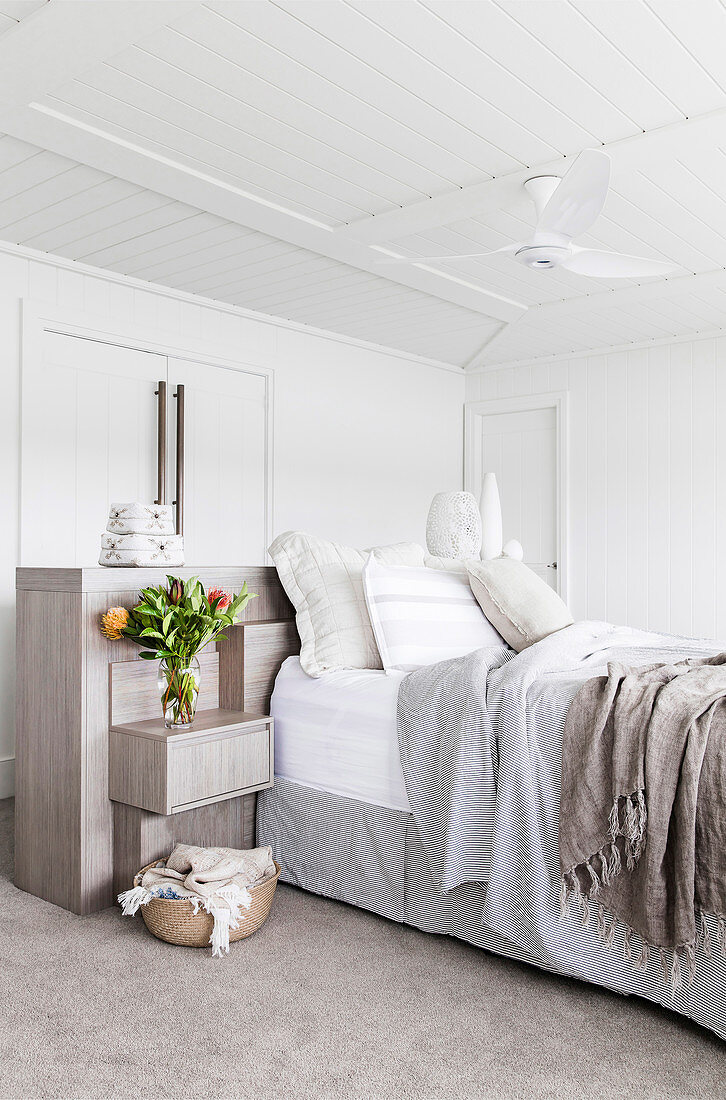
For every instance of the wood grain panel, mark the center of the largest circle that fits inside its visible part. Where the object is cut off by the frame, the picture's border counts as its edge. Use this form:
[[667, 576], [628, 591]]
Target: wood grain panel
[[49, 758], [266, 646], [230, 653], [140, 836], [137, 771], [261, 579], [214, 768], [134, 695], [164, 770], [96, 828]]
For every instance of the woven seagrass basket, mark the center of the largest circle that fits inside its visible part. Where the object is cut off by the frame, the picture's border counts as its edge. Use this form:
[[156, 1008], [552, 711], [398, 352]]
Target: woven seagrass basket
[[175, 921]]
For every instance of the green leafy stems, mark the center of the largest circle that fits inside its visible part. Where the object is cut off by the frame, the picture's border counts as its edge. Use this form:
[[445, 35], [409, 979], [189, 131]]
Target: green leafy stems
[[173, 624]]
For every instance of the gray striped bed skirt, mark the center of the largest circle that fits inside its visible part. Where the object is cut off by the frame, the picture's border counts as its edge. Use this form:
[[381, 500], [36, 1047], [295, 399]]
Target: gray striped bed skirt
[[371, 857]]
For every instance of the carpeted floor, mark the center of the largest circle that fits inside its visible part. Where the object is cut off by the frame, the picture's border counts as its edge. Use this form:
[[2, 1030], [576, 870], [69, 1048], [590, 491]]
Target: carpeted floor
[[324, 1002]]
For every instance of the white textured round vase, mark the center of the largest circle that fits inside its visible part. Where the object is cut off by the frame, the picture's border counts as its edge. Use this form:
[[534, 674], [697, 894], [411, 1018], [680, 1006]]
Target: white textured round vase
[[453, 528], [491, 518], [513, 549]]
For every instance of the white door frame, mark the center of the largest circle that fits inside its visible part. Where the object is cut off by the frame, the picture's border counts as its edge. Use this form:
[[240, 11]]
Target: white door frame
[[37, 319], [475, 411]]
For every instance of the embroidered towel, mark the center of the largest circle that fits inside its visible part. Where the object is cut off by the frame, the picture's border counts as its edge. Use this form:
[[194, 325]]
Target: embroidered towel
[[144, 519], [141, 542], [141, 558], [215, 879]]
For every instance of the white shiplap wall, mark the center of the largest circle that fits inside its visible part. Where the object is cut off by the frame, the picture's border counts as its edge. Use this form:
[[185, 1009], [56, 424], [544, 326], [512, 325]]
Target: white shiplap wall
[[647, 486], [362, 438]]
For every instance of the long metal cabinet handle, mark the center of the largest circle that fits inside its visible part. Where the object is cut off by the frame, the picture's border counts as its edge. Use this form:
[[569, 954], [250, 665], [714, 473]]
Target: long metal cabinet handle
[[160, 392], [179, 460]]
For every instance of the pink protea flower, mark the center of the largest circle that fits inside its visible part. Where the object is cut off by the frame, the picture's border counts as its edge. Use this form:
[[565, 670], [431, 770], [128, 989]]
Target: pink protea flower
[[220, 594]]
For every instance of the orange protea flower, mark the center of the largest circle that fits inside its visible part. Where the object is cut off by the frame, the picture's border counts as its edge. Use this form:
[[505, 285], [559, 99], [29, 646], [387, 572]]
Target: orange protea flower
[[223, 597], [114, 622]]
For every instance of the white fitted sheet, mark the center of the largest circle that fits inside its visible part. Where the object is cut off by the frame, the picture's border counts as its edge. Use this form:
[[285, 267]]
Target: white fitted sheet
[[338, 733]]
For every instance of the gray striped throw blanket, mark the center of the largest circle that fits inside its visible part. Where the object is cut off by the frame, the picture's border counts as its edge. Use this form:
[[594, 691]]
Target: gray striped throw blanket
[[643, 805], [481, 743]]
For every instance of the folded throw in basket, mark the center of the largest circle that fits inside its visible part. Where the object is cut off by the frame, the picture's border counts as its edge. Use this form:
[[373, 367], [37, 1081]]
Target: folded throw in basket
[[214, 879]]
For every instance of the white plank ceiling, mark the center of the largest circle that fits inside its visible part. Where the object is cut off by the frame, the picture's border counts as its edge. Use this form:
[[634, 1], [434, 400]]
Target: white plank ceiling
[[262, 153], [13, 11]]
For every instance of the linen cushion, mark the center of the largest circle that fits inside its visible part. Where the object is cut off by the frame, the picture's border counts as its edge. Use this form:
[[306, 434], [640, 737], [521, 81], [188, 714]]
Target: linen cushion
[[423, 615], [325, 586], [522, 607]]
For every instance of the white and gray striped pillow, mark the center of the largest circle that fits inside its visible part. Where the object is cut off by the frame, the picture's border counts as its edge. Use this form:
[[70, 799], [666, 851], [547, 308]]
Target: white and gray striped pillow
[[421, 616]]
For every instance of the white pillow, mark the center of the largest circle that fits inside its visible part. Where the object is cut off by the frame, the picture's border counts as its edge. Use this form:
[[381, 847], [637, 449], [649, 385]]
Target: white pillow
[[522, 607], [324, 584], [450, 565], [421, 616]]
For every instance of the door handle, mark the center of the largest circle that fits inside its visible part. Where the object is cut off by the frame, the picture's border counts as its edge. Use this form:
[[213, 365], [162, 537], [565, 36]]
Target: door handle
[[160, 392], [179, 502]]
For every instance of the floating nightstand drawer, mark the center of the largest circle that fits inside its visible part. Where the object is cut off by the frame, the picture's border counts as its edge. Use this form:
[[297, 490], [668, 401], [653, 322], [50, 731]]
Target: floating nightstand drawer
[[224, 755]]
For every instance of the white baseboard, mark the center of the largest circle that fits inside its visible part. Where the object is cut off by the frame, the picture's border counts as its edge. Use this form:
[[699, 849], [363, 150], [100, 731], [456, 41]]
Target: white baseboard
[[7, 778]]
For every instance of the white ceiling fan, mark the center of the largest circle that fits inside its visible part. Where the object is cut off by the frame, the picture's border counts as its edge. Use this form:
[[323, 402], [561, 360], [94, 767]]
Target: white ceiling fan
[[566, 208]]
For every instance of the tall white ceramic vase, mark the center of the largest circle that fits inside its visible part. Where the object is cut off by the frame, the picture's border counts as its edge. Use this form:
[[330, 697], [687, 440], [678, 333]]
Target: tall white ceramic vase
[[491, 518]]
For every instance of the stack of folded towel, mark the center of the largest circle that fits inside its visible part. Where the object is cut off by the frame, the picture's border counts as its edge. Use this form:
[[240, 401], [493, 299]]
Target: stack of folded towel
[[141, 535]]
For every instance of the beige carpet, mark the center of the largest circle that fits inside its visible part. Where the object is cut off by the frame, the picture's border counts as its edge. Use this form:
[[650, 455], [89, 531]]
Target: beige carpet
[[325, 1001]]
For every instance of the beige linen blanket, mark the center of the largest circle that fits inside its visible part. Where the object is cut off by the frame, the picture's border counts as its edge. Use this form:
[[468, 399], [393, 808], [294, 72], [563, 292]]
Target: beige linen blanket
[[215, 879], [643, 807]]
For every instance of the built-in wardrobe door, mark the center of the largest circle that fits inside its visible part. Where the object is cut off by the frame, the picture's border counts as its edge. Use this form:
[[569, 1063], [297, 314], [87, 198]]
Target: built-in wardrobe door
[[89, 437], [225, 462]]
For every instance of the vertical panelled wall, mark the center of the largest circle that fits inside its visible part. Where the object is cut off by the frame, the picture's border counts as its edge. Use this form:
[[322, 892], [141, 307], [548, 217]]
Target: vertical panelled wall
[[647, 480], [362, 438]]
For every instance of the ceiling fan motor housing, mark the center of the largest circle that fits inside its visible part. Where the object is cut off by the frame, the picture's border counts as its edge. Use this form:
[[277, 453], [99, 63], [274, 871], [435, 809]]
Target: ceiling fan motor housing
[[542, 255]]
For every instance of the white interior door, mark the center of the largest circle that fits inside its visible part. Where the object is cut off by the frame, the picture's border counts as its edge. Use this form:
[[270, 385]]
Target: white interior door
[[89, 437], [226, 477], [520, 447]]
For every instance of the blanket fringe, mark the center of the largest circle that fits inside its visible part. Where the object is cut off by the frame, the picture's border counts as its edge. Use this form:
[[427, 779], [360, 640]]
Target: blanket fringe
[[679, 966], [236, 897], [627, 825], [642, 961], [219, 938], [629, 820], [130, 900]]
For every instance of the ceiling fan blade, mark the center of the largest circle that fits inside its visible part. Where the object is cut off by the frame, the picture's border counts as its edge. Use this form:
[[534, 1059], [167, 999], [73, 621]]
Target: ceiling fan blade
[[579, 197], [440, 259], [614, 265]]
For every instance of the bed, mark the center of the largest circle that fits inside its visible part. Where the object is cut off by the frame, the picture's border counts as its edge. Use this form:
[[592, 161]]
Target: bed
[[354, 815]]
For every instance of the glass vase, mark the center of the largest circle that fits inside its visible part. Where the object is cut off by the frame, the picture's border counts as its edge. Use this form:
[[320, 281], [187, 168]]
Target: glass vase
[[178, 683]]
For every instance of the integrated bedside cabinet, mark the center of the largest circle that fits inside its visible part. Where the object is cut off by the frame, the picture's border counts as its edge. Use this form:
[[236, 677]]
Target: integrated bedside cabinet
[[226, 754], [64, 817]]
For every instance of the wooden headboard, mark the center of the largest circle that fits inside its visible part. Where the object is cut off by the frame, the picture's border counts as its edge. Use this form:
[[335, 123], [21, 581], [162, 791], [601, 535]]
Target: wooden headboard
[[258, 646], [64, 817]]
